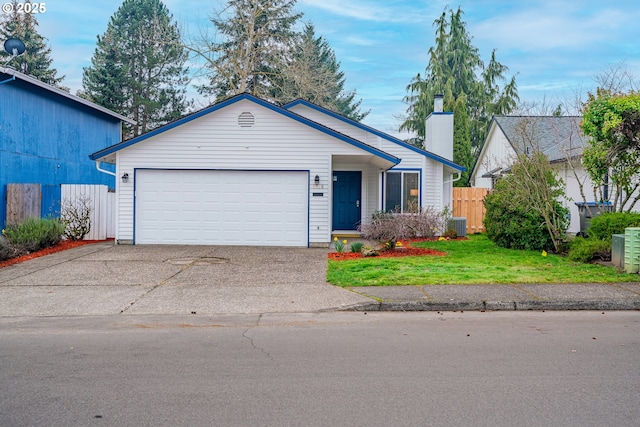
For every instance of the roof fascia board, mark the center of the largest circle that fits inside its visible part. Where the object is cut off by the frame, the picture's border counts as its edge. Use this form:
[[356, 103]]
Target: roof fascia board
[[233, 100], [377, 132]]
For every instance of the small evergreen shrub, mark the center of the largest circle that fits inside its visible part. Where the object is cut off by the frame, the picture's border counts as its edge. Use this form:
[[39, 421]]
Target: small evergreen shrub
[[587, 250], [35, 233], [605, 225]]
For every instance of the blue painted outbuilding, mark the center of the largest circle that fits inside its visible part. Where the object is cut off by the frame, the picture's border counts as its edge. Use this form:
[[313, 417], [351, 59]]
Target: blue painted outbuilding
[[46, 135]]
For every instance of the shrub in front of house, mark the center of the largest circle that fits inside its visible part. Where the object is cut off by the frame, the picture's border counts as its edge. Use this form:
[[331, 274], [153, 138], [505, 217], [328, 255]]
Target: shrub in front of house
[[607, 224], [76, 216], [389, 227], [516, 226], [34, 234], [7, 250], [589, 249]]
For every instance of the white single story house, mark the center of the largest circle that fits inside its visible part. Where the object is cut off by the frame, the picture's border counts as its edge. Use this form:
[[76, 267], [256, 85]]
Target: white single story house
[[247, 172], [560, 138]]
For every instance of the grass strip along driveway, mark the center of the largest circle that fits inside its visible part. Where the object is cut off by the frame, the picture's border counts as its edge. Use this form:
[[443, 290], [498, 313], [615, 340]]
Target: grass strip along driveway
[[473, 261]]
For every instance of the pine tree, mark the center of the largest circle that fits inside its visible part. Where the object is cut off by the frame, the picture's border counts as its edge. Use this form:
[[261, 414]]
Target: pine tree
[[138, 68], [455, 68], [256, 40], [313, 74], [36, 61]]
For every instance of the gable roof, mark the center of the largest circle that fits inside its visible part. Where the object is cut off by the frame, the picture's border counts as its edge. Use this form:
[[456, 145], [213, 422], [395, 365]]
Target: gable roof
[[376, 132], [12, 75], [558, 137], [245, 96]]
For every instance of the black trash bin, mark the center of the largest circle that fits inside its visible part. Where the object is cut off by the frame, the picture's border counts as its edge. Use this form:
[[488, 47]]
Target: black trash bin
[[588, 211]]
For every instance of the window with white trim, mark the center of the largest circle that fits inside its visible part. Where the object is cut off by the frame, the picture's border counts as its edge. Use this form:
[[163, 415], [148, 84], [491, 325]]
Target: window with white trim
[[402, 191]]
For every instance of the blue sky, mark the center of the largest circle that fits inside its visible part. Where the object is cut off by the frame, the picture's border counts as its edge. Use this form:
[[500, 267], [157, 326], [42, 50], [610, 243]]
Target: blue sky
[[555, 47]]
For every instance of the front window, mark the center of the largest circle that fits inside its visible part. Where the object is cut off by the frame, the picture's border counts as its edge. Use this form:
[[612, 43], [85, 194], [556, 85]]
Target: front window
[[402, 191]]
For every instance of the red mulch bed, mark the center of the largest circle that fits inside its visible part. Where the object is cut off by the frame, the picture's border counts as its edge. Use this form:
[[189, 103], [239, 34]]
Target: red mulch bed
[[405, 250], [62, 246]]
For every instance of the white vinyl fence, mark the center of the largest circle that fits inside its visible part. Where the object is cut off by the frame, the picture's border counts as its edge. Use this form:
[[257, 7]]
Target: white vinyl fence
[[102, 204]]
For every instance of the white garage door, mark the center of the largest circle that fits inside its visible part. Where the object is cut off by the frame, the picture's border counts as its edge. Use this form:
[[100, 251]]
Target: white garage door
[[253, 208]]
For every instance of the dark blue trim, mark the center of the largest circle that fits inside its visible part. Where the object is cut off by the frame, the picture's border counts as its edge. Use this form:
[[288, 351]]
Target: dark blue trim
[[233, 100], [379, 133], [308, 172], [8, 80]]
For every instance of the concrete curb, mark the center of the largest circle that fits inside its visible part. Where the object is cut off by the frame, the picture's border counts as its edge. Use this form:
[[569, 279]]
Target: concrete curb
[[495, 306]]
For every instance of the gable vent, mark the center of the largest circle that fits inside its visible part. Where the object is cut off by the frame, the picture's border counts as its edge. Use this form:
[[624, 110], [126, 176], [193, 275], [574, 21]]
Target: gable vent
[[246, 120]]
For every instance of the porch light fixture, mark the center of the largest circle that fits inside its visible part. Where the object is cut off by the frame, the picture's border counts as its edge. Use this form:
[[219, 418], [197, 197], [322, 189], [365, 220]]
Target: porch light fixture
[[413, 192], [317, 180], [125, 177]]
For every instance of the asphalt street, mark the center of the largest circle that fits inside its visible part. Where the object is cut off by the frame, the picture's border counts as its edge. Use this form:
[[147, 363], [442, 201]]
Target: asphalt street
[[322, 369]]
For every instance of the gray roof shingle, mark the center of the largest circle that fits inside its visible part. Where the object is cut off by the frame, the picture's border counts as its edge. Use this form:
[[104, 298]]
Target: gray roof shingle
[[559, 137]]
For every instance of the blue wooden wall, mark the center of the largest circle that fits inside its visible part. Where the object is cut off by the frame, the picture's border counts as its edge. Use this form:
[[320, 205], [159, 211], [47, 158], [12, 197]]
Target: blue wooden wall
[[46, 138]]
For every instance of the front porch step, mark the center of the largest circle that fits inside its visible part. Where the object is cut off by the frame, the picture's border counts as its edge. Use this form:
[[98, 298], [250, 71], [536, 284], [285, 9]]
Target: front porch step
[[346, 234]]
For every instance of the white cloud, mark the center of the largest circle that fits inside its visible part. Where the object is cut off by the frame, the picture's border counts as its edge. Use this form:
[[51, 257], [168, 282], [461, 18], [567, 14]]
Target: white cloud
[[378, 11], [556, 26]]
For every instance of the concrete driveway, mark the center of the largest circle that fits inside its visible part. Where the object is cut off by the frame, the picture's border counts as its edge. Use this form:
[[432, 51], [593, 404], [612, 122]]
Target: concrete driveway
[[104, 279]]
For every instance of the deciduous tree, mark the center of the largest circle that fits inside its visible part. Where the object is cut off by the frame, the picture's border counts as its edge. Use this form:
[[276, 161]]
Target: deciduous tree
[[257, 50], [523, 211], [255, 41], [612, 155], [313, 74]]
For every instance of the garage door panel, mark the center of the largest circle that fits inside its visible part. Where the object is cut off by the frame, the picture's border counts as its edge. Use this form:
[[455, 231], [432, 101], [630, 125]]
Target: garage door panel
[[222, 207]]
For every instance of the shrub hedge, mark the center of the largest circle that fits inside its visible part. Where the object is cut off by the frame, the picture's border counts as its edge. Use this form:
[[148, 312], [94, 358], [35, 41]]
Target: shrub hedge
[[34, 234], [516, 226], [605, 225]]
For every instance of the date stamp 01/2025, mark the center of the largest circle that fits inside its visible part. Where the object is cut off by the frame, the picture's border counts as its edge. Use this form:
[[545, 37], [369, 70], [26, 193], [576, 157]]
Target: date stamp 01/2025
[[14, 7]]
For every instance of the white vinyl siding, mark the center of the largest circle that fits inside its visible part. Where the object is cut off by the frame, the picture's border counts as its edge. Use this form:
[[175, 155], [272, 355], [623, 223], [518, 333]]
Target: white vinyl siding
[[497, 152], [216, 142], [433, 176]]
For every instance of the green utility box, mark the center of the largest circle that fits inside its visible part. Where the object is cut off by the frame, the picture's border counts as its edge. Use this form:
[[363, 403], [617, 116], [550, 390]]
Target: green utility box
[[632, 249]]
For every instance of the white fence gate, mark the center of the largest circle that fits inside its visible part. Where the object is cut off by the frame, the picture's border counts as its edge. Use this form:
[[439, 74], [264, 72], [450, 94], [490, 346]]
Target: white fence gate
[[102, 204]]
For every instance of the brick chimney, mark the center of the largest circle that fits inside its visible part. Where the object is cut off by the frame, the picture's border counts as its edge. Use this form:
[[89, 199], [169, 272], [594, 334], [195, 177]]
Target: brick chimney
[[439, 131]]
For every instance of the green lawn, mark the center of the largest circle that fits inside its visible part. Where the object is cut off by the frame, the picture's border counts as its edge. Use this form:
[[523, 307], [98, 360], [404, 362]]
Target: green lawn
[[473, 261]]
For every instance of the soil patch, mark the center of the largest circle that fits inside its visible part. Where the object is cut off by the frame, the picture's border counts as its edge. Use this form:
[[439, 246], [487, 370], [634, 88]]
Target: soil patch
[[62, 246]]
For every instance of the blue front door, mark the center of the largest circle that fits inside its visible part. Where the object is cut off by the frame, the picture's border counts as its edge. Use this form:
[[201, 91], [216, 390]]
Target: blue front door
[[346, 200]]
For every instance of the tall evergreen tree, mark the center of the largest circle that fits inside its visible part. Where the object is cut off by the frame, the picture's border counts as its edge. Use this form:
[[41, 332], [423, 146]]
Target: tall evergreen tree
[[455, 68], [257, 37], [462, 140], [313, 74], [138, 68], [36, 61]]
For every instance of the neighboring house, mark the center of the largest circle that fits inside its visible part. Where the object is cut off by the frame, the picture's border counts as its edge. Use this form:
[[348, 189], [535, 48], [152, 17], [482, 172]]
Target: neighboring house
[[247, 172], [45, 137], [560, 138]]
